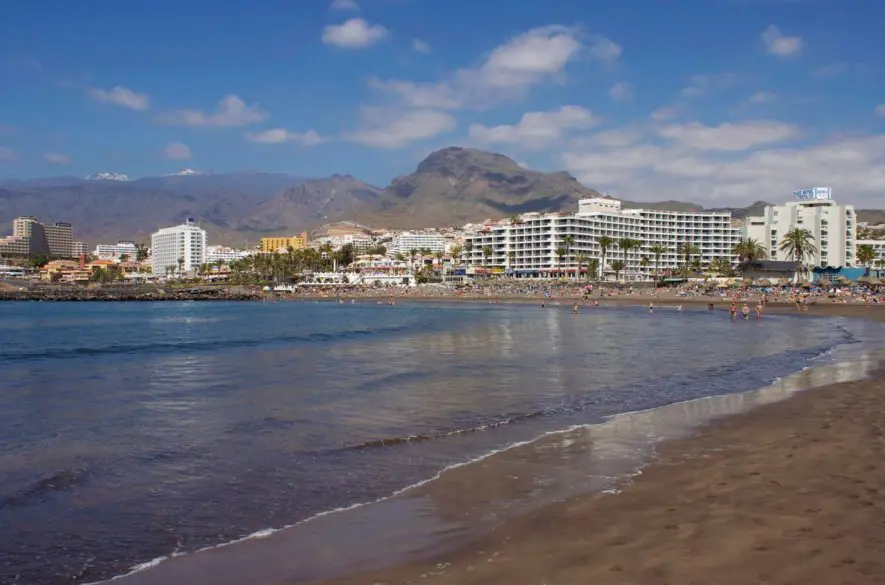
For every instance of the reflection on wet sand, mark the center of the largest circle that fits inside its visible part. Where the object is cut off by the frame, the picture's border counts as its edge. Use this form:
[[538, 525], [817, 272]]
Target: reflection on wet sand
[[469, 500]]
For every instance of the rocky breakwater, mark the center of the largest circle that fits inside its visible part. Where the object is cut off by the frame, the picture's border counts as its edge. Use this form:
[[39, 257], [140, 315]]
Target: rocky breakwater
[[76, 293]]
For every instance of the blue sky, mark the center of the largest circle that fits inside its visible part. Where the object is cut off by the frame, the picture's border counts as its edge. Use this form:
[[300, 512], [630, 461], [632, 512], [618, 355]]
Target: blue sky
[[721, 101]]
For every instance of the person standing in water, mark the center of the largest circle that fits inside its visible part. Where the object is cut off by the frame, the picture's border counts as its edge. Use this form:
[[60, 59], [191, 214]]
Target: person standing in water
[[759, 310], [575, 309], [651, 308], [745, 311], [732, 310]]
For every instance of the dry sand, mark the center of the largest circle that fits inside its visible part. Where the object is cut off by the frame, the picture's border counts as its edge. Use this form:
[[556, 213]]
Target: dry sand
[[790, 493]]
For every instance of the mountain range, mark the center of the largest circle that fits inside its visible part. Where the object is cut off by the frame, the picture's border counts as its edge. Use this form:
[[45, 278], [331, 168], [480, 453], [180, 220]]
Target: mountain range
[[451, 187]]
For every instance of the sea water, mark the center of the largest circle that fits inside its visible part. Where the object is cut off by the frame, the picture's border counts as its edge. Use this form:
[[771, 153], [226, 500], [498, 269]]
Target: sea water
[[131, 432]]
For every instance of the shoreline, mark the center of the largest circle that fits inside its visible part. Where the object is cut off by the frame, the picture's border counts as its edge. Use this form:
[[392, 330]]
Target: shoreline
[[745, 499], [249, 558], [768, 495]]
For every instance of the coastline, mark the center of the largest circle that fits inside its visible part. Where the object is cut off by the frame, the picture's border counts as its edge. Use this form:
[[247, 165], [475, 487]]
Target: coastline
[[787, 492], [560, 541]]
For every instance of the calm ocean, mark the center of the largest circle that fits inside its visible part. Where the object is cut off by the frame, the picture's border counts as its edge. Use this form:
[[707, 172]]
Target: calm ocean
[[129, 431]]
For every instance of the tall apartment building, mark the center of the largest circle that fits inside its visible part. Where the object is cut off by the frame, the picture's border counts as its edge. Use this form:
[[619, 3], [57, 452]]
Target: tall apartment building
[[186, 242], [528, 248], [407, 241], [276, 244], [32, 238], [78, 248], [833, 227]]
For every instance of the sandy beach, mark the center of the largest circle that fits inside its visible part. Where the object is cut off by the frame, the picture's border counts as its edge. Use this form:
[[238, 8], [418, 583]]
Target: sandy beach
[[789, 493]]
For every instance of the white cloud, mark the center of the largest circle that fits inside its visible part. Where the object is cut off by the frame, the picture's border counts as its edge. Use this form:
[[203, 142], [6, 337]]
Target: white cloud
[[621, 92], [56, 158], [280, 135], [420, 46], [761, 97], [880, 110], [344, 5], [177, 151], [664, 113], [729, 164], [728, 136], [8, 155], [388, 129], [355, 33], [537, 56], [121, 96], [536, 129], [776, 43], [704, 84], [230, 111]]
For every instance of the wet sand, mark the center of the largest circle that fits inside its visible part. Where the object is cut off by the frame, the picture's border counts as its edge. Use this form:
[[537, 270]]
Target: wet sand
[[788, 493]]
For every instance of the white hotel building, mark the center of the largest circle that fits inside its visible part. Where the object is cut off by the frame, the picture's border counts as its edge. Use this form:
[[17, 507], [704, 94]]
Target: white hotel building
[[528, 249], [186, 241], [833, 227], [405, 242], [114, 251]]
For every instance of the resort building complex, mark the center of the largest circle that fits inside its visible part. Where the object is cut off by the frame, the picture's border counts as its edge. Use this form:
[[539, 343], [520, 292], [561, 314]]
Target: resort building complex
[[833, 227], [32, 238], [528, 247], [181, 249], [407, 241], [278, 244], [223, 254], [114, 251]]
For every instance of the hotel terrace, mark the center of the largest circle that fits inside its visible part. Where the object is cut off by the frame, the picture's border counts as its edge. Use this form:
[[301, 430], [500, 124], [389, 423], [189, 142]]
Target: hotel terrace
[[527, 248]]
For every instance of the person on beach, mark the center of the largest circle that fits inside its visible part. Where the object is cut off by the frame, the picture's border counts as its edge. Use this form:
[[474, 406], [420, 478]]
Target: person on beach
[[710, 307], [575, 309], [651, 308], [759, 310], [745, 311], [596, 303], [732, 310], [679, 309]]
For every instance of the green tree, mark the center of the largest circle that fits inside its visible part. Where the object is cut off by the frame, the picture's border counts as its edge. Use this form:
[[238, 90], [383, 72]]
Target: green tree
[[687, 250], [141, 252], [618, 266], [749, 251], [580, 259], [866, 254], [560, 252], [644, 262], [798, 243], [592, 267], [604, 243], [657, 251]]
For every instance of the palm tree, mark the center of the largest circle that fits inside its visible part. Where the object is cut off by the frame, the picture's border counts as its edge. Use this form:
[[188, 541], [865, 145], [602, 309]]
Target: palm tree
[[567, 243], [658, 250], [798, 243], [560, 252], [617, 266], [456, 252], [468, 247], [626, 245], [722, 266], [644, 262], [412, 253], [687, 249], [486, 254], [580, 259], [748, 252], [866, 254], [592, 267], [511, 258], [180, 266], [604, 242]]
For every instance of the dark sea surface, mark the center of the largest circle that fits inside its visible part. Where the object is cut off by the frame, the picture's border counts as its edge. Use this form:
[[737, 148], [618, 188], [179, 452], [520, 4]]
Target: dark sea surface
[[131, 431]]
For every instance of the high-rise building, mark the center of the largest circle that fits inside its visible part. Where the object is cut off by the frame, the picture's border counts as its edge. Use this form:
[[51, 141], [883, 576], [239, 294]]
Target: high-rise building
[[32, 238], [529, 248], [78, 248], [833, 227], [179, 249]]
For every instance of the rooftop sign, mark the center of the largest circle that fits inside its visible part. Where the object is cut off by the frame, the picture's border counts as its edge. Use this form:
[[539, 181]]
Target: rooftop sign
[[815, 193]]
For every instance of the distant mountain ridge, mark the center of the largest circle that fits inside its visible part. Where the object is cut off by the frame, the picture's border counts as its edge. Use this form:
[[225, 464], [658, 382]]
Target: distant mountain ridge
[[450, 187]]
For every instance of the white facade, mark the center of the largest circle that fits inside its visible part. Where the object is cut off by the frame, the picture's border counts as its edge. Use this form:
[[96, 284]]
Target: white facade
[[114, 251], [360, 242], [528, 248], [405, 242], [878, 247], [186, 242], [224, 254], [833, 227]]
